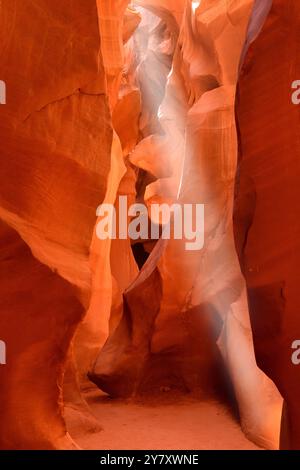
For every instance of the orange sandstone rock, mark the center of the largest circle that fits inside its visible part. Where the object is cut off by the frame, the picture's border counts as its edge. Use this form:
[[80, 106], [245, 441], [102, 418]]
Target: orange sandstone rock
[[141, 101], [202, 291], [267, 202]]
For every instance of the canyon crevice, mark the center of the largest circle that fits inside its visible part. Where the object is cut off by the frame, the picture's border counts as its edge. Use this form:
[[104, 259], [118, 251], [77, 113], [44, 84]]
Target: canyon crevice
[[161, 101]]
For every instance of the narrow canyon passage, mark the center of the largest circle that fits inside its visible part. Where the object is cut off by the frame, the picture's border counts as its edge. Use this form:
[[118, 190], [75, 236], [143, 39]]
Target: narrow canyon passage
[[148, 295], [158, 396], [174, 157]]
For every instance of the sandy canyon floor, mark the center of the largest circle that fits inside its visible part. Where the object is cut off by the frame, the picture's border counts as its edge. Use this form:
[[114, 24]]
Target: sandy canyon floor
[[165, 421]]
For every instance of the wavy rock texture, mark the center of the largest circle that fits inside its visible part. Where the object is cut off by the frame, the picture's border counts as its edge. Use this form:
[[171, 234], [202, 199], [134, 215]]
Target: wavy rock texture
[[38, 326], [202, 294], [141, 101], [60, 161], [267, 201]]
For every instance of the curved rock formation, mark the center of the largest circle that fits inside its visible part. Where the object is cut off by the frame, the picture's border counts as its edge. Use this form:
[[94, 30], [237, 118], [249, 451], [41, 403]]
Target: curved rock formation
[[267, 202], [58, 137], [202, 293], [107, 99]]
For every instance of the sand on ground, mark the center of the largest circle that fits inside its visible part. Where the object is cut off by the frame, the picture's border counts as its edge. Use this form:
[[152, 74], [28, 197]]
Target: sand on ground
[[165, 421]]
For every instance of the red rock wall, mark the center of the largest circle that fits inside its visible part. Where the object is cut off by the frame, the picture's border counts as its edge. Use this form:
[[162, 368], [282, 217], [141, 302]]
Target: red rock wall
[[102, 101], [268, 201], [55, 163]]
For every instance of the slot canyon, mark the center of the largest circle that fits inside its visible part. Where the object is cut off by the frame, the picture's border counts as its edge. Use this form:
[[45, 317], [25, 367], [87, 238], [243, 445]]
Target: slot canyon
[[123, 343]]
